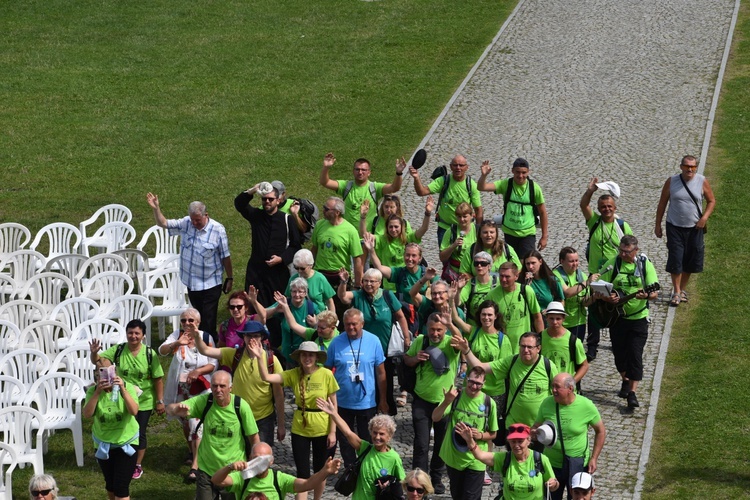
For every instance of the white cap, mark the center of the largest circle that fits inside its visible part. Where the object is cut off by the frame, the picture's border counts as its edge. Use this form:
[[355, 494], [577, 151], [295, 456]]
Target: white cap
[[265, 188], [610, 186], [555, 308], [582, 480]]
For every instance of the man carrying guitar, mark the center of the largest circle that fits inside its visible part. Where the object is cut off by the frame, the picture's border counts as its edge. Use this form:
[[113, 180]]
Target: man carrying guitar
[[630, 273]]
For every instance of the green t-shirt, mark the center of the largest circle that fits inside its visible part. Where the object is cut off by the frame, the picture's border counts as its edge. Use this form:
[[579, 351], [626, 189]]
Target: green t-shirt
[[286, 207], [519, 220], [516, 311], [467, 260], [604, 242], [378, 313], [380, 228], [558, 350], [472, 299], [356, 196], [375, 465], [112, 421], [535, 388], [262, 485], [520, 483], [627, 282], [402, 280], [470, 237], [290, 340], [323, 343], [544, 294], [430, 385], [470, 411], [319, 384], [391, 253], [222, 441], [454, 196], [136, 371], [575, 420], [573, 305], [336, 245], [319, 290], [487, 348]]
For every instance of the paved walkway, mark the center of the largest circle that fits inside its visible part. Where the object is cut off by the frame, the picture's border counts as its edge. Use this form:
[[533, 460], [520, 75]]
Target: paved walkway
[[620, 90]]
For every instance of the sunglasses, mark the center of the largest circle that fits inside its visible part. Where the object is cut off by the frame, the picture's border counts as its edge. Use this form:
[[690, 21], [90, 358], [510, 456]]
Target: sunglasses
[[517, 428], [300, 268], [414, 488], [481, 263], [233, 307], [268, 198], [36, 493], [187, 320]]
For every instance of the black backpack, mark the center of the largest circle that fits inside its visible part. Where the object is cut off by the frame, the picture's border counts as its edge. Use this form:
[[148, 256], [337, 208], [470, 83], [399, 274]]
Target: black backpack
[[532, 199], [443, 172], [309, 213], [237, 403]]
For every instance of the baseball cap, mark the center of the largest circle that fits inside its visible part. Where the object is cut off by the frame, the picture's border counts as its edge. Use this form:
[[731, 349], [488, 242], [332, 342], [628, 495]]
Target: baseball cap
[[253, 327], [521, 162], [279, 186], [582, 481], [610, 186], [518, 431]]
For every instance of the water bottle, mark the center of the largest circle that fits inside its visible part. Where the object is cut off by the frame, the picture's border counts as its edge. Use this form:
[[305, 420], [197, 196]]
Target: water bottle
[[256, 466], [115, 397]]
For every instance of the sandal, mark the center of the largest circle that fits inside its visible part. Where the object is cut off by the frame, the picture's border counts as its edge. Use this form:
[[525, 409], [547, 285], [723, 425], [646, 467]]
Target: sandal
[[401, 400], [683, 296], [192, 476], [675, 300]]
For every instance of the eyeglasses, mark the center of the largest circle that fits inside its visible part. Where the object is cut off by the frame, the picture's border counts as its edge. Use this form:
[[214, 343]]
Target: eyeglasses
[[517, 428], [624, 251], [458, 164], [36, 493], [527, 346], [475, 383], [326, 209], [187, 320], [268, 198], [237, 307], [414, 488], [481, 263], [300, 268]]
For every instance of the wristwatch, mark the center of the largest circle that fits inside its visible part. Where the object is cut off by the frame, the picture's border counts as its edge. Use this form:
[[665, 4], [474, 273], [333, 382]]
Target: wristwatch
[[160, 402]]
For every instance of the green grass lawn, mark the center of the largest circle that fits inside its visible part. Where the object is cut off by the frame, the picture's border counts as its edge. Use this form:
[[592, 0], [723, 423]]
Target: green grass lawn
[[703, 424], [101, 102]]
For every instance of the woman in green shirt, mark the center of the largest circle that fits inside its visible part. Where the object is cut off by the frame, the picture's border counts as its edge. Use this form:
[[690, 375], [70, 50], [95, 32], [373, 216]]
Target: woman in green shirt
[[539, 276]]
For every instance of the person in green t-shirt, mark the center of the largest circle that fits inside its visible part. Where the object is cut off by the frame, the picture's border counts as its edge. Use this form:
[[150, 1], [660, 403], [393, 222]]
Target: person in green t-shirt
[[319, 290], [556, 342], [115, 430], [472, 292], [572, 415], [458, 239], [523, 201], [630, 273], [575, 283], [540, 278], [325, 328], [390, 246], [355, 191], [267, 481], [489, 241], [391, 205], [400, 278], [473, 409]]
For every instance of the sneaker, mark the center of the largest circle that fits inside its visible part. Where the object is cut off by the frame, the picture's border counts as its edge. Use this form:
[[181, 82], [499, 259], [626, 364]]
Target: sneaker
[[632, 400], [439, 487], [487, 478], [591, 355], [624, 389], [138, 472]]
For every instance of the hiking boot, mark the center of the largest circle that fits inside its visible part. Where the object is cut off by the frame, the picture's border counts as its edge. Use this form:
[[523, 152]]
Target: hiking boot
[[138, 472], [439, 488], [632, 400], [624, 389], [591, 355]]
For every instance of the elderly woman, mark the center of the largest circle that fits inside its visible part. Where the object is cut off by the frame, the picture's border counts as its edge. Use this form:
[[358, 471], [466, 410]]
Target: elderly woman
[[489, 241], [525, 472], [474, 290], [323, 333], [540, 278], [43, 486], [417, 485], [240, 304], [380, 309], [113, 404], [310, 426], [319, 290], [189, 375], [378, 458], [457, 241]]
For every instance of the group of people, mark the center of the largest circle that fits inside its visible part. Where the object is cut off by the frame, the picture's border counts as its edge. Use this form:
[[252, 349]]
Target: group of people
[[490, 344]]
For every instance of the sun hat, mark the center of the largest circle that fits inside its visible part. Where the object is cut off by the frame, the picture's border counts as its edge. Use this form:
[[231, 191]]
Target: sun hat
[[420, 157], [518, 431], [582, 481], [253, 328], [547, 433], [610, 186], [309, 346], [555, 308]]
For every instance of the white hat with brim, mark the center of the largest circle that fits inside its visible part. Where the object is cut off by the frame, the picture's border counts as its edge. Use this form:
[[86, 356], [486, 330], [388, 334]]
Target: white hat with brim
[[547, 433], [555, 308], [610, 186], [309, 346]]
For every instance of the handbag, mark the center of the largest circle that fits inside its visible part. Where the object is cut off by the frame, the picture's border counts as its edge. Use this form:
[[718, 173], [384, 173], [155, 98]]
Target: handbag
[[396, 342], [347, 481]]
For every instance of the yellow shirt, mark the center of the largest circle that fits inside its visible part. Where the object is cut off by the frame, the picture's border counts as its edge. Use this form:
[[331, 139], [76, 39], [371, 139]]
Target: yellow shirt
[[247, 384]]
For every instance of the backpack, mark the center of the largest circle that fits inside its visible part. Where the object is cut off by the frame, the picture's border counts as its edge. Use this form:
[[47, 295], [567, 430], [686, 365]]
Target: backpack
[[472, 292], [486, 408], [446, 184], [532, 199], [350, 185], [237, 403], [309, 213], [620, 223], [149, 352]]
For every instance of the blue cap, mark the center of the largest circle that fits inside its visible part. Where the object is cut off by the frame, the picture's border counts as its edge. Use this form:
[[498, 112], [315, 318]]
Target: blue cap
[[253, 327]]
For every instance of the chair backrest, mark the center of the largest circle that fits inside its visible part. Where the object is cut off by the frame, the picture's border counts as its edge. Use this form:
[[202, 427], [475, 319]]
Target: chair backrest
[[22, 312], [137, 264], [48, 336], [164, 286], [25, 364], [8, 288], [67, 264], [13, 236], [12, 392], [128, 307], [23, 264], [47, 289], [110, 213], [117, 235], [57, 393], [98, 264], [9, 335], [74, 311], [20, 428], [61, 238], [75, 359], [8, 462], [164, 245], [105, 286], [107, 332]]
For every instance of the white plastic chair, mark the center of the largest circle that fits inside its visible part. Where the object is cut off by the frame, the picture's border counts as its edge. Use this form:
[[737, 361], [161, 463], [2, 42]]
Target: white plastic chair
[[48, 336], [58, 396], [13, 236], [75, 311], [110, 237], [129, 307], [168, 295], [21, 428], [22, 265], [25, 364], [22, 313], [8, 288], [47, 289], [109, 213], [9, 461], [98, 264], [164, 246], [61, 238], [12, 392], [67, 264], [76, 360], [9, 335], [107, 332], [105, 286], [137, 265]]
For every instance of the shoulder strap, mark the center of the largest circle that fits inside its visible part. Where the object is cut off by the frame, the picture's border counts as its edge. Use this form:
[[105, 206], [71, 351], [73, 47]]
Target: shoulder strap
[[593, 228], [455, 401], [238, 352], [374, 223], [532, 196], [373, 191], [500, 340], [118, 353], [548, 369], [538, 462], [206, 338], [276, 484], [454, 232], [310, 307], [487, 405], [507, 252], [523, 380], [697, 205], [237, 403], [526, 305], [468, 185], [563, 275], [209, 402], [506, 197], [559, 428], [506, 463], [443, 190], [347, 189]]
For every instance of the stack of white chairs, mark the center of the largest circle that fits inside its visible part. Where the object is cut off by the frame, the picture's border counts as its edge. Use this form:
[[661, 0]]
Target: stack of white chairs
[[47, 336], [96, 265], [105, 239], [13, 236], [67, 264], [22, 312], [106, 331], [8, 288], [76, 360], [22, 428], [22, 265], [168, 295], [61, 238], [9, 335], [165, 246], [47, 289], [106, 286]]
